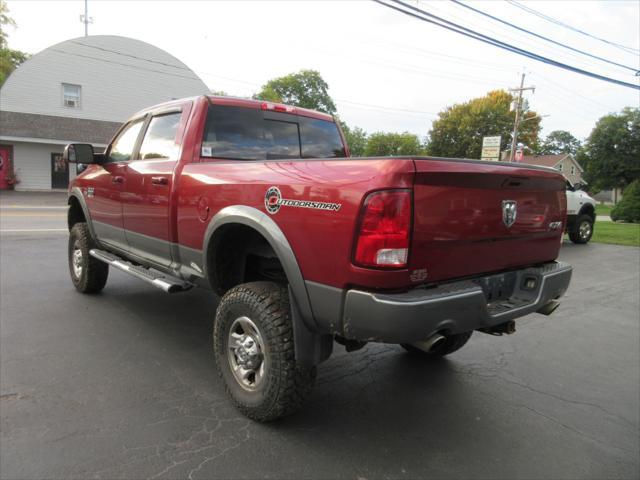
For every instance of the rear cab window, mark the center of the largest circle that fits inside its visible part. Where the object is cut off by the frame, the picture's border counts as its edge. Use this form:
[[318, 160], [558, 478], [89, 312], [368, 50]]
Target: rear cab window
[[240, 133]]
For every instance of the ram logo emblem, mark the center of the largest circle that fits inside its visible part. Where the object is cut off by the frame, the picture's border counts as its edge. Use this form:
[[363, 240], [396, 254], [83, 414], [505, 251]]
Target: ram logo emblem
[[509, 212]]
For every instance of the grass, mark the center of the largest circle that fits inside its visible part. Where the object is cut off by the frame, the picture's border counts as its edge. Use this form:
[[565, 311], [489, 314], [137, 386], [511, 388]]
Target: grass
[[617, 233], [603, 209]]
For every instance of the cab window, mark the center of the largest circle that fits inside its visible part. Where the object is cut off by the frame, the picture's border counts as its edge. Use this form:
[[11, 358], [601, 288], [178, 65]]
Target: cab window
[[122, 148], [160, 139]]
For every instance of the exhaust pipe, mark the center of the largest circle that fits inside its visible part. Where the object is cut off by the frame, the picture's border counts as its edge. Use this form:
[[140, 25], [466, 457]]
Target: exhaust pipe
[[430, 343], [549, 308]]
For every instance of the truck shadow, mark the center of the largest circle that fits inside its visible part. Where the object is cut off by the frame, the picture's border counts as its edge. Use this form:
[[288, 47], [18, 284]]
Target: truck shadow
[[380, 383]]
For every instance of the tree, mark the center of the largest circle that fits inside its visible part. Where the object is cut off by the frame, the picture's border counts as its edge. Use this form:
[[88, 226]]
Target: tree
[[381, 144], [459, 129], [305, 89], [611, 155], [9, 59], [628, 209], [356, 139], [560, 141]]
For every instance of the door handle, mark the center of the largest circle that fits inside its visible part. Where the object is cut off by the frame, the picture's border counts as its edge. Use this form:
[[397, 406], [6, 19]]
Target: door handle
[[159, 180], [117, 179]]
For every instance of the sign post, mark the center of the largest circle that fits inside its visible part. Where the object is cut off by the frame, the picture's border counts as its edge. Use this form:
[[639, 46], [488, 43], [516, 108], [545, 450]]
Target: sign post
[[491, 148]]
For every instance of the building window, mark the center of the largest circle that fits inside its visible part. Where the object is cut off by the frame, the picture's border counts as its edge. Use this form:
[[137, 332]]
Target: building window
[[573, 169], [559, 167], [71, 95]]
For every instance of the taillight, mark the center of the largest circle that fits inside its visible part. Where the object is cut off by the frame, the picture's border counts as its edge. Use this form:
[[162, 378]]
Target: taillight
[[277, 107], [383, 236]]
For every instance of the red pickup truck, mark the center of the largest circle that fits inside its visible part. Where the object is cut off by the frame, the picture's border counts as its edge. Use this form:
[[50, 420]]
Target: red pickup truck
[[261, 203]]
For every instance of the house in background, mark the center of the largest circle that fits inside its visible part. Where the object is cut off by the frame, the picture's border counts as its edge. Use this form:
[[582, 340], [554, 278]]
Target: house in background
[[564, 163], [80, 91]]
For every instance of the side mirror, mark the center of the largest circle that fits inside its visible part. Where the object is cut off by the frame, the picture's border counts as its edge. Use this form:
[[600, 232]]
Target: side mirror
[[577, 186], [79, 153]]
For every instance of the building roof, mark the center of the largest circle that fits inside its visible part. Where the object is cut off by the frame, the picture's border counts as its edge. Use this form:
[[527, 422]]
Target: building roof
[[544, 160], [117, 76], [550, 160]]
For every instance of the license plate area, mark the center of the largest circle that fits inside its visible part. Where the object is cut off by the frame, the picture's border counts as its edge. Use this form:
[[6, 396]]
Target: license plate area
[[498, 287]]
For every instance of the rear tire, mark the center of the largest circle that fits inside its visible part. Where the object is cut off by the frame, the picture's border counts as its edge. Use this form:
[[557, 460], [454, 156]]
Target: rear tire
[[88, 274], [254, 351], [450, 344], [582, 230]]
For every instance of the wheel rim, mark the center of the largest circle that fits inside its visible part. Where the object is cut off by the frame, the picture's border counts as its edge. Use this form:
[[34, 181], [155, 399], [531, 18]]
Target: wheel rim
[[76, 259], [246, 353], [585, 230]]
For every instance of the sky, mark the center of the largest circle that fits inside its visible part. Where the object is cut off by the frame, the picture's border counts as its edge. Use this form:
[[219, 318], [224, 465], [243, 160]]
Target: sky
[[385, 70]]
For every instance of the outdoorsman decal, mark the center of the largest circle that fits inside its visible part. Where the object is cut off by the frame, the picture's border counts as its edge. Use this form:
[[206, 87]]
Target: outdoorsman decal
[[273, 201]]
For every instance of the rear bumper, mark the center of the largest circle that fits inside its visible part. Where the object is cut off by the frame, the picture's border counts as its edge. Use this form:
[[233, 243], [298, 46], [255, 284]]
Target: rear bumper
[[452, 308]]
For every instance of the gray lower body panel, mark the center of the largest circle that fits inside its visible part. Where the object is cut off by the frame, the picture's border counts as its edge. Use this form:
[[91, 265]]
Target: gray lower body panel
[[450, 308]]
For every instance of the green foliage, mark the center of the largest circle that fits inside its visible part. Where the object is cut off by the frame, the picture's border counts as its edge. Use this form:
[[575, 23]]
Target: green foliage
[[617, 233], [382, 144], [356, 139], [9, 59], [5, 20], [459, 129], [611, 155], [305, 89], [628, 209], [559, 141]]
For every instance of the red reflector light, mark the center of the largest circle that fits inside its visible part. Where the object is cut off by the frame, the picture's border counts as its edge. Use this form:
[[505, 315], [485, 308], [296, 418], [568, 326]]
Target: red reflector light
[[383, 235], [277, 107]]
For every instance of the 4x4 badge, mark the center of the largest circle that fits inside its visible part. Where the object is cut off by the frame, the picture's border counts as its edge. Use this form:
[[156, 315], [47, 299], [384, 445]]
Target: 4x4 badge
[[509, 212]]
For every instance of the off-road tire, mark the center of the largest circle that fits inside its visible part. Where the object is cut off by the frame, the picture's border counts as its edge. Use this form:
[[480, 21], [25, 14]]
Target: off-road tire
[[575, 235], [451, 344], [286, 384], [94, 273]]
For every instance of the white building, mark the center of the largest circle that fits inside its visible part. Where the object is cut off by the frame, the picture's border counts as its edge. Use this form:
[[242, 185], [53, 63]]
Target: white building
[[80, 90]]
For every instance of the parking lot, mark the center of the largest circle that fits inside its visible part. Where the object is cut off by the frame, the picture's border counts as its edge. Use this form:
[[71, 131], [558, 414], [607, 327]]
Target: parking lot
[[123, 384]]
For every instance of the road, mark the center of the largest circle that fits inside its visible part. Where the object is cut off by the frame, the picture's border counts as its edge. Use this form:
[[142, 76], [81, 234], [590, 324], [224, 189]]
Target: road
[[123, 385]]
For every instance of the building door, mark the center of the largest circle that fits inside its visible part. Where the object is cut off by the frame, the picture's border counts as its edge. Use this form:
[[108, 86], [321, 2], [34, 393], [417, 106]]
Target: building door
[[59, 171], [6, 171]]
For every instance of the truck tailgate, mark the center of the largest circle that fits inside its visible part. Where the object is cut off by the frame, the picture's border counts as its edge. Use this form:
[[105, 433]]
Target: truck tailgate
[[460, 227]]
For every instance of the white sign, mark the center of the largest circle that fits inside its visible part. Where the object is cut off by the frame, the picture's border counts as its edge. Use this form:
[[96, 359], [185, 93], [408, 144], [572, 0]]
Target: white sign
[[491, 148]]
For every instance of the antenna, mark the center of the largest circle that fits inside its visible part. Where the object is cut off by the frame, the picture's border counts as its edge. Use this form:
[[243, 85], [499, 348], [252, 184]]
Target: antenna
[[86, 19]]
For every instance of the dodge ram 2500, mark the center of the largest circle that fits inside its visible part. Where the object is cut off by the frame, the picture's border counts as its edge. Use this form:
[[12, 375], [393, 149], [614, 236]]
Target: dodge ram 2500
[[306, 246]]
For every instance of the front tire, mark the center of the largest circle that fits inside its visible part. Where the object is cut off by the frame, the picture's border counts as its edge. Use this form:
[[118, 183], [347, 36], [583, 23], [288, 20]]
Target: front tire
[[254, 351], [582, 230], [88, 274], [450, 344]]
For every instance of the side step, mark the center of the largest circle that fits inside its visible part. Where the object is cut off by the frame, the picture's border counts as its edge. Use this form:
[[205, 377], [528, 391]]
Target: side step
[[160, 280]]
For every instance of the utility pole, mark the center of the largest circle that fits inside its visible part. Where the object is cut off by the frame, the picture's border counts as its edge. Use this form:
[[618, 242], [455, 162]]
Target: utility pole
[[516, 123], [86, 19]]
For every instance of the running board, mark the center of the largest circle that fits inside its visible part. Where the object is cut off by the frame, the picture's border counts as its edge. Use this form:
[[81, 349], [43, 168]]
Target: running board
[[164, 282]]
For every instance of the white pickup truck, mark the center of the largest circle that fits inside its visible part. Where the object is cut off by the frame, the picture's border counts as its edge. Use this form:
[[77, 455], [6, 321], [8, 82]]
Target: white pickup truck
[[581, 213]]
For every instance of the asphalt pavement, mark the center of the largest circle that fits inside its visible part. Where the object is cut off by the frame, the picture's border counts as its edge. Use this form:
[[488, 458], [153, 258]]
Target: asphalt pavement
[[123, 384]]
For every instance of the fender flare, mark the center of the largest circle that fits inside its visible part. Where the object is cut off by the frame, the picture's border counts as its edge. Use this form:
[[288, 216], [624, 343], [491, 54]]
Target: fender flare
[[259, 221], [584, 208], [77, 194], [311, 347]]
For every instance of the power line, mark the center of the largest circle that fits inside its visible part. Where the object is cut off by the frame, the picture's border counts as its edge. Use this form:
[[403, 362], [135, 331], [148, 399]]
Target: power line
[[469, 7], [562, 24], [380, 107], [497, 43], [191, 77], [180, 67]]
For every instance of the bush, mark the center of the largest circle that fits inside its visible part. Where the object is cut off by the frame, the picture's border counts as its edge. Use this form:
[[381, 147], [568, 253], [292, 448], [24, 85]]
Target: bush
[[628, 209]]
